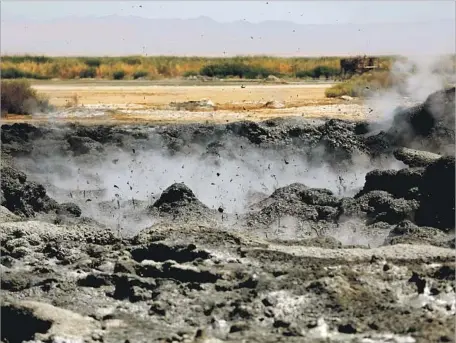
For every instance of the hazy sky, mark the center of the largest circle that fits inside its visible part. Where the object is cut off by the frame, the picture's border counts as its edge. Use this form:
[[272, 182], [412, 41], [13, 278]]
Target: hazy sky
[[302, 12], [238, 27]]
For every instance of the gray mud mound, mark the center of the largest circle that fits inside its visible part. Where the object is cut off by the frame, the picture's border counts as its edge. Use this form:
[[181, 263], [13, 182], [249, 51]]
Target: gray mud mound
[[16, 138], [24, 197], [415, 158], [84, 145], [295, 207], [424, 195], [437, 191], [430, 125], [179, 201], [402, 183]]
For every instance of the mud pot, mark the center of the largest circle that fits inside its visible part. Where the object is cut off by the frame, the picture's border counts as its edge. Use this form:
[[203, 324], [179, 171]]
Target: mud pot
[[284, 230]]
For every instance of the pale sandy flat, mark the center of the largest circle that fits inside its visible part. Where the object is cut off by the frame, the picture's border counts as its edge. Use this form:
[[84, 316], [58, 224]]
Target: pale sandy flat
[[124, 101]]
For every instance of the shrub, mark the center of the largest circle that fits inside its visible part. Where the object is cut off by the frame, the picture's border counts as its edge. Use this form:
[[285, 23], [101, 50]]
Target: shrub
[[131, 60], [325, 71], [89, 73], [302, 74], [235, 69], [27, 58], [118, 75], [318, 72], [18, 97], [363, 85], [93, 62], [13, 73], [340, 89], [190, 73], [139, 74]]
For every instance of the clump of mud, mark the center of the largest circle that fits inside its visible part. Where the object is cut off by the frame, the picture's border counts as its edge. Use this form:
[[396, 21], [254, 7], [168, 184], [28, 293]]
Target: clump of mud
[[283, 230], [179, 200]]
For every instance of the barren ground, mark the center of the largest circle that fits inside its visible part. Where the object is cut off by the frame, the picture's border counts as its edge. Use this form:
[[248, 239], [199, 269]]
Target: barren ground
[[135, 101], [186, 228]]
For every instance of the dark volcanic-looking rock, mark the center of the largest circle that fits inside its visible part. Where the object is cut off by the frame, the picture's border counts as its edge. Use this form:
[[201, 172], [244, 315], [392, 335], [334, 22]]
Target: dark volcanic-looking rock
[[290, 191], [16, 138], [399, 183], [177, 194], [387, 209], [22, 196], [102, 134], [297, 201], [339, 138], [252, 131], [69, 209], [415, 158], [83, 145], [319, 196], [19, 132], [433, 120], [178, 197], [408, 233], [380, 206], [437, 207]]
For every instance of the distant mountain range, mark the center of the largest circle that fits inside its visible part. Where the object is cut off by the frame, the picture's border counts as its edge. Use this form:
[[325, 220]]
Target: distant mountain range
[[128, 35]]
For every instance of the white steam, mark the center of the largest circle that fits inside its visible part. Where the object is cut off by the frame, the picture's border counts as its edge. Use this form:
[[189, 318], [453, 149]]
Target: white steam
[[417, 77], [116, 187]]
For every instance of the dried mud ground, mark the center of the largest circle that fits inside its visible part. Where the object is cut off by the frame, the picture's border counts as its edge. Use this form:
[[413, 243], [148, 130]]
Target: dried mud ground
[[100, 102], [284, 230]]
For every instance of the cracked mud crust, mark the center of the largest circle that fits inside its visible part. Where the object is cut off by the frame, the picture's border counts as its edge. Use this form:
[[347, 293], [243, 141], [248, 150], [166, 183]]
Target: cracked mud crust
[[286, 230]]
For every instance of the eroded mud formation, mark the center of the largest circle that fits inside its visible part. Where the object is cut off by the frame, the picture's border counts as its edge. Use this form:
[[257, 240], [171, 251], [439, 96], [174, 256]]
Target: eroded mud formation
[[285, 230]]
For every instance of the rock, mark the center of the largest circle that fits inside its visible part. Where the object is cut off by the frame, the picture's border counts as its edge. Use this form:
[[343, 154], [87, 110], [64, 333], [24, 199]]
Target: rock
[[178, 272], [339, 139], [132, 287], [17, 138], [430, 125], [396, 182], [273, 78], [179, 199], [99, 133], [408, 233], [7, 216], [17, 281], [84, 145], [390, 210], [415, 158], [437, 205], [23, 197], [289, 192], [175, 195], [274, 104], [251, 130], [161, 252], [43, 322], [69, 209], [193, 105], [346, 97], [379, 206], [319, 196], [95, 280]]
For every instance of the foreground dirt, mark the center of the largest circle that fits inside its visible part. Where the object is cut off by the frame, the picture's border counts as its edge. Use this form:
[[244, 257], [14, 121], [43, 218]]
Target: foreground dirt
[[287, 230]]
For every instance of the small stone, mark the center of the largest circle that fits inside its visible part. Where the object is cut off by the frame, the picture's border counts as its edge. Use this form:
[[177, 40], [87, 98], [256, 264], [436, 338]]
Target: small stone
[[347, 328], [158, 308]]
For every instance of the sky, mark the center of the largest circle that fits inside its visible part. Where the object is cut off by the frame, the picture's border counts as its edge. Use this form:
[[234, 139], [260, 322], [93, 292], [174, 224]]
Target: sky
[[301, 12], [237, 27]]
